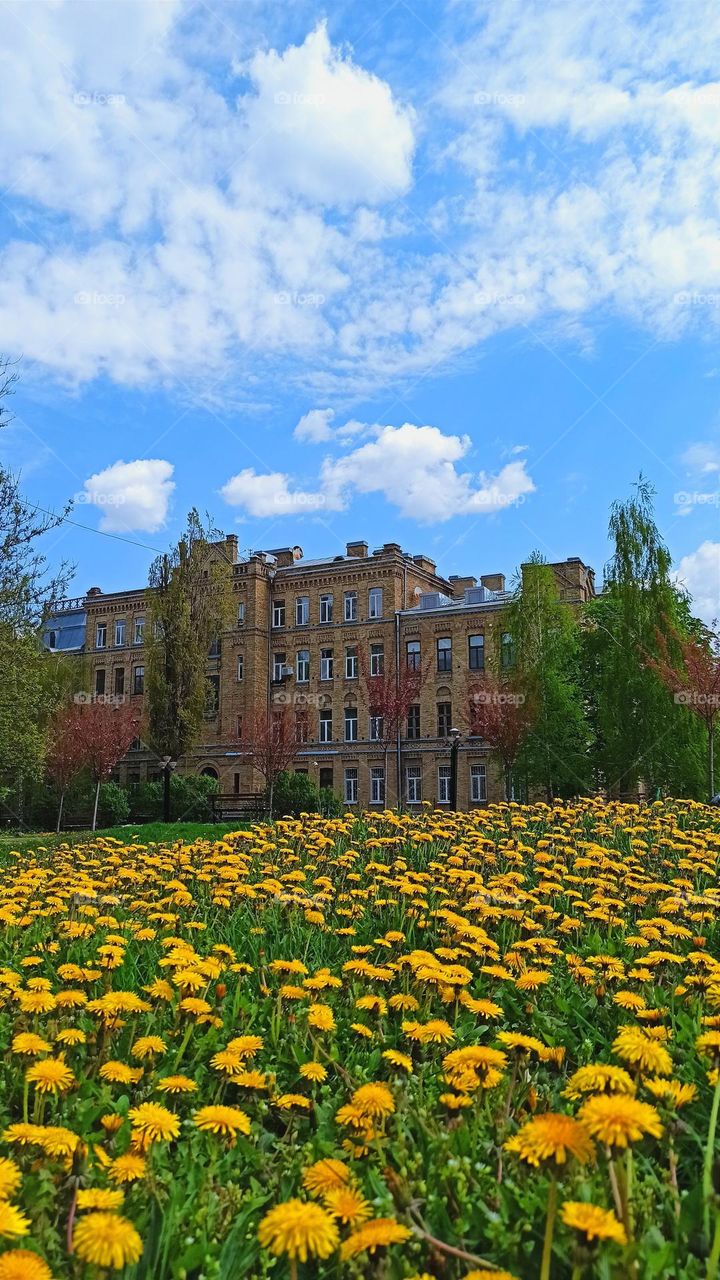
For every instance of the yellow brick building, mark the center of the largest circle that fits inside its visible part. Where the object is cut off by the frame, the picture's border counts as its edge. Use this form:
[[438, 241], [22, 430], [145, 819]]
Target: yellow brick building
[[306, 634]]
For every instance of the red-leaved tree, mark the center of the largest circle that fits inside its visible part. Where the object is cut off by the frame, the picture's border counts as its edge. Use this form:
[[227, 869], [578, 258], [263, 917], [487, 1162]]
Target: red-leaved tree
[[692, 674], [389, 693], [101, 733], [64, 759], [272, 744], [502, 715]]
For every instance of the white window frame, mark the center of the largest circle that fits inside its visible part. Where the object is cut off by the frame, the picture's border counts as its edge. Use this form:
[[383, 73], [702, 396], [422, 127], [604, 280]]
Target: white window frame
[[351, 719], [477, 648], [377, 784], [241, 612], [138, 630], [377, 659], [138, 668], [375, 602], [444, 782], [279, 661], [326, 607], [119, 632], [478, 775], [278, 614], [350, 603], [302, 666], [326, 664], [101, 630], [350, 785], [351, 662], [413, 783], [444, 645], [377, 728], [325, 725], [302, 611]]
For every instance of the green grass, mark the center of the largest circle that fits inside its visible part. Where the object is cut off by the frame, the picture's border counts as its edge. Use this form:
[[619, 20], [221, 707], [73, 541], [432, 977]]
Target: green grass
[[141, 833]]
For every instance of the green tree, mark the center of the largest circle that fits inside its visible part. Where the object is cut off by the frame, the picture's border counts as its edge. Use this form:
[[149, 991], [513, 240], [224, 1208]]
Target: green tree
[[641, 736], [545, 655], [190, 606]]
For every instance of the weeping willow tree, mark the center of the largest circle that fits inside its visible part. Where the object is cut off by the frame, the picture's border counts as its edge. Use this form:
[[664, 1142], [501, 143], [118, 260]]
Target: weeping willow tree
[[642, 736]]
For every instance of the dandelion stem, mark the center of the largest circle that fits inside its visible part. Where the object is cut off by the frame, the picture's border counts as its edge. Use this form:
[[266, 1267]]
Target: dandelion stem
[[26, 1090], [183, 1045], [293, 1269], [709, 1157], [714, 1258], [549, 1229]]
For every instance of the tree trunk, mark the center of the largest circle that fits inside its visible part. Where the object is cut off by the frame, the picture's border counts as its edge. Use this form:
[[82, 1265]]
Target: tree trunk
[[508, 781], [60, 811], [270, 799], [166, 794], [95, 810]]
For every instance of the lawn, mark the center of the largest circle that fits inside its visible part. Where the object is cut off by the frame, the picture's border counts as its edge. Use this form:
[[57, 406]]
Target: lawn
[[145, 833], [376, 1048]]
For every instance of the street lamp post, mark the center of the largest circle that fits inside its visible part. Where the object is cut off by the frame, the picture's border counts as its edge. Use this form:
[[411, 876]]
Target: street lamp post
[[168, 765], [455, 736]]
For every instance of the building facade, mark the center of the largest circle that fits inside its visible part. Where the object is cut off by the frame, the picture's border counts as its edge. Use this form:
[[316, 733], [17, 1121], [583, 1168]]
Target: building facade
[[309, 635]]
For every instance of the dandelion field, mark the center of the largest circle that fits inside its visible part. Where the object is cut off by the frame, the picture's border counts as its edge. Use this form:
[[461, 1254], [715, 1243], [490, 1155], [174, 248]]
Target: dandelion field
[[386, 1046]]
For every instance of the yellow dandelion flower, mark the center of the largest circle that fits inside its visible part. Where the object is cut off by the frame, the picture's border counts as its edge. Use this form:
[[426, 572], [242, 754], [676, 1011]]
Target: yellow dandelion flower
[[551, 1137], [347, 1205], [176, 1084], [299, 1229], [379, 1233], [10, 1177], [618, 1120], [326, 1175], [106, 1240], [592, 1222], [21, 1264], [52, 1075], [128, 1168], [226, 1121], [12, 1221], [99, 1198], [153, 1122]]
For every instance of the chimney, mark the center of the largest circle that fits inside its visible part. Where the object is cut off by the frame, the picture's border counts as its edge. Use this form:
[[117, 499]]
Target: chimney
[[424, 562], [95, 591], [231, 542], [461, 585], [493, 581], [357, 550]]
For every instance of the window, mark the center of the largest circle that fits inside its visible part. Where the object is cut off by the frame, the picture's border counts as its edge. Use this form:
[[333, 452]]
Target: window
[[120, 632], [351, 662], [351, 786], [302, 726], [326, 608], [136, 745], [325, 779], [412, 651], [413, 721], [240, 666], [236, 784], [215, 648], [138, 679], [52, 639], [476, 653], [278, 613], [138, 630], [326, 664], [350, 606], [377, 784], [507, 651], [377, 660], [278, 668], [302, 611], [212, 697], [444, 775], [351, 724], [478, 783], [241, 612], [119, 682], [101, 635], [375, 602], [302, 666], [377, 726], [444, 718], [100, 681], [413, 783], [444, 654], [326, 724]]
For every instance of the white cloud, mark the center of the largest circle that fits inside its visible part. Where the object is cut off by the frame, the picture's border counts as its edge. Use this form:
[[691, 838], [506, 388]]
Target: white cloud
[[271, 495], [702, 457], [314, 426], [131, 495], [325, 128], [699, 573], [413, 468]]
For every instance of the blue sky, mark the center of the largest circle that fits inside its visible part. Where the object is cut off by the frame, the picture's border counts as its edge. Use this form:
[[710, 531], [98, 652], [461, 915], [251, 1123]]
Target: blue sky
[[441, 274]]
